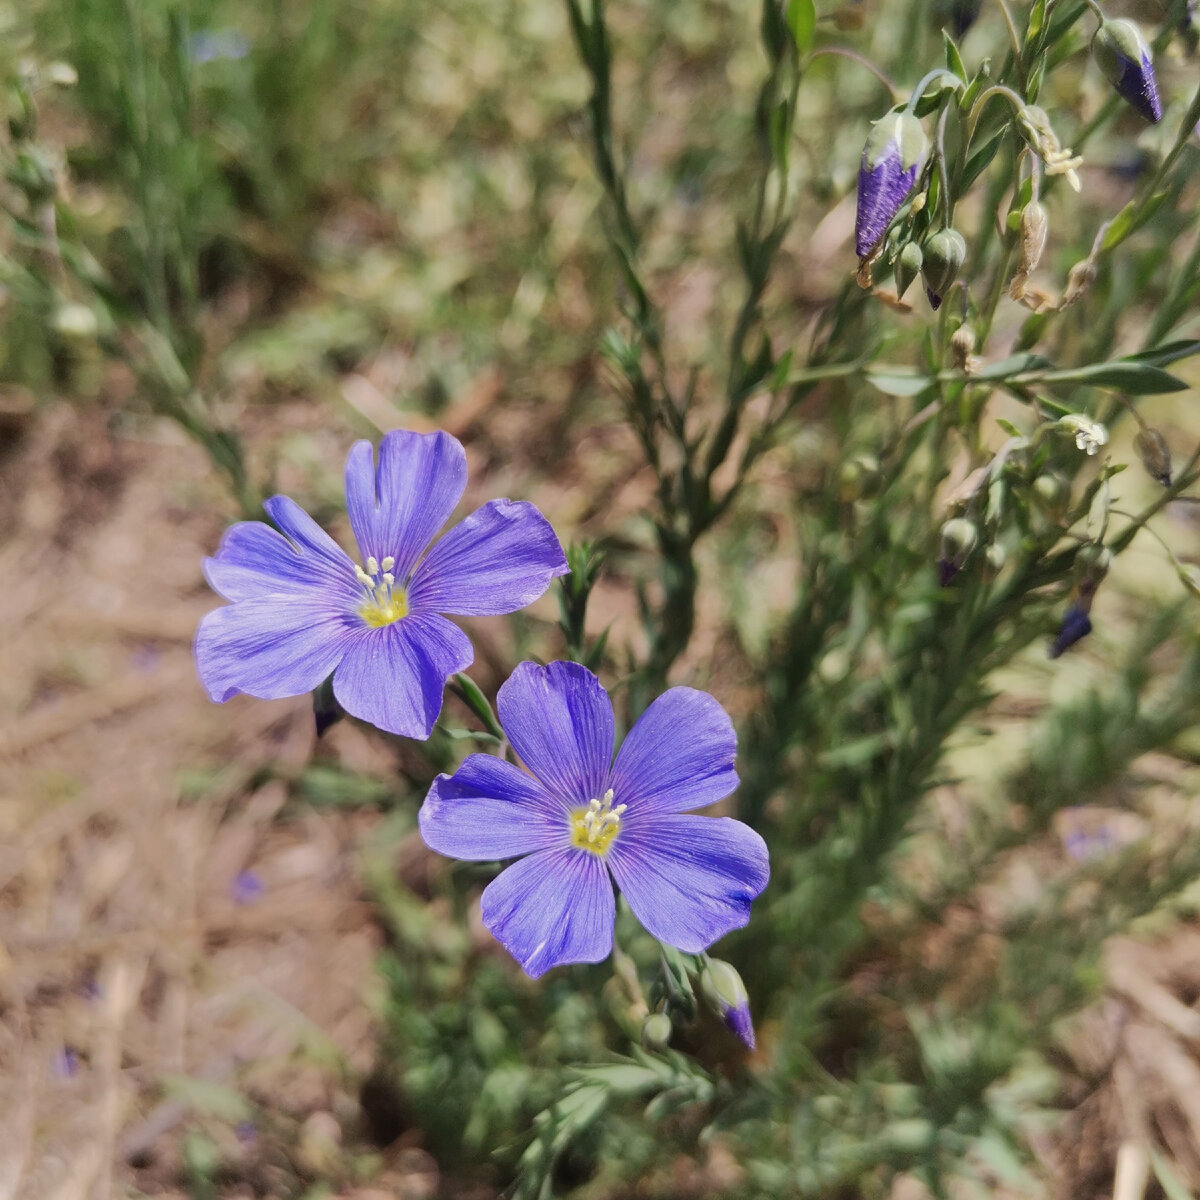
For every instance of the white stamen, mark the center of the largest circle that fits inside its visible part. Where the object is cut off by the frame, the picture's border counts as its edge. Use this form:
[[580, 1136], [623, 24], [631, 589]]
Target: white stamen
[[601, 817], [372, 565], [388, 563], [388, 577]]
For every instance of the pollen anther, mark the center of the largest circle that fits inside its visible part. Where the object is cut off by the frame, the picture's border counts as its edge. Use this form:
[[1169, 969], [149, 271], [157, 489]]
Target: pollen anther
[[593, 828]]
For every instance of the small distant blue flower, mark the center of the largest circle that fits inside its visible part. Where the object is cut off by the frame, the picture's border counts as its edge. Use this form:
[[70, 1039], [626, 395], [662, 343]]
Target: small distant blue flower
[[890, 161], [579, 816], [247, 887], [302, 610], [209, 45], [1076, 624], [1122, 54]]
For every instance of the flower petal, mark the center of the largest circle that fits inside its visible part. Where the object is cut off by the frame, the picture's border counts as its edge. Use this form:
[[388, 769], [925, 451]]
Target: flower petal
[[310, 538], [394, 676], [554, 907], [489, 809], [255, 560], [396, 509], [882, 189], [678, 756], [689, 880], [271, 646], [501, 558], [560, 721]]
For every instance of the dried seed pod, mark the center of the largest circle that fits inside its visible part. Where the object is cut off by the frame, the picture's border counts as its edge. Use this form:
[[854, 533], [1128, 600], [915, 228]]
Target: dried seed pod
[[1155, 455]]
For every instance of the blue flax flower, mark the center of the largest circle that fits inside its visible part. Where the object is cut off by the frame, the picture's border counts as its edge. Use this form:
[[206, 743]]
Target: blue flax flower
[[579, 816], [301, 609]]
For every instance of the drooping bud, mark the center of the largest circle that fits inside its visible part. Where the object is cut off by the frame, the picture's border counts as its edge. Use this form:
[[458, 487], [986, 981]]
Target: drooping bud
[[891, 159], [724, 990], [1122, 54], [1080, 277], [908, 267], [962, 349], [1155, 455], [1076, 624], [656, 1032], [1034, 124], [1035, 225], [944, 254], [958, 540]]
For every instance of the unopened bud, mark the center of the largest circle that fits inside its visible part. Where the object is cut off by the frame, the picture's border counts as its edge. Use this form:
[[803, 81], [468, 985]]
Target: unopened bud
[[1052, 493], [724, 990], [891, 159], [944, 254], [656, 1032], [1080, 277], [1122, 54], [994, 558], [1155, 455], [959, 537], [908, 267], [859, 478]]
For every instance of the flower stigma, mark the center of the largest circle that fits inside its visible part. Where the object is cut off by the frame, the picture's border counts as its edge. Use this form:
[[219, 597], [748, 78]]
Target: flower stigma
[[593, 828], [385, 602]]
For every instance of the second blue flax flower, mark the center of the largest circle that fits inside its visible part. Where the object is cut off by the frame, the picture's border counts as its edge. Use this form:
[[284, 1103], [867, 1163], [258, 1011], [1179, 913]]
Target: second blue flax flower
[[577, 817]]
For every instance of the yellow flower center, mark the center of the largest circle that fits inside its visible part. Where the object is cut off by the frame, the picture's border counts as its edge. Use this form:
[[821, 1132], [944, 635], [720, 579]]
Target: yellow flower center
[[385, 602], [593, 828]]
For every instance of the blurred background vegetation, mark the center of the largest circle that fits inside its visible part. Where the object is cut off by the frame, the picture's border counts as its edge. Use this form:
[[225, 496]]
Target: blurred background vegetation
[[235, 237]]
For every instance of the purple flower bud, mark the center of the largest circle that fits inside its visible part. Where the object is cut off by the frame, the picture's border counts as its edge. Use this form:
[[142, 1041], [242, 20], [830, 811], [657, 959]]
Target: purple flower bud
[[890, 161], [1122, 54], [724, 990], [738, 1022], [1076, 624]]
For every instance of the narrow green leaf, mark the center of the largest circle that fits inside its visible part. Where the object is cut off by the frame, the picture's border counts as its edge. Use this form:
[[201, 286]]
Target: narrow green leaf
[[477, 702], [953, 58], [802, 21], [899, 383], [1130, 219], [1167, 353], [1168, 1180], [1018, 364], [1140, 379]]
